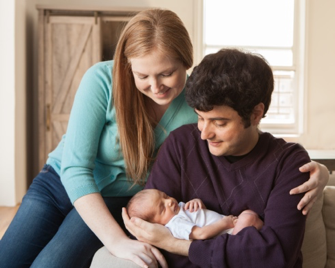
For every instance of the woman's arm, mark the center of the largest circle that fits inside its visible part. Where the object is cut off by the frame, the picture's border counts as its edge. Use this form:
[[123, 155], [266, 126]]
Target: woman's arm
[[313, 188], [86, 139], [96, 215]]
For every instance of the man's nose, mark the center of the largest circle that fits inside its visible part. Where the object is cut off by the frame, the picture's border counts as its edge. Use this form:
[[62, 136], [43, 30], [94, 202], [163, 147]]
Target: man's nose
[[206, 131]]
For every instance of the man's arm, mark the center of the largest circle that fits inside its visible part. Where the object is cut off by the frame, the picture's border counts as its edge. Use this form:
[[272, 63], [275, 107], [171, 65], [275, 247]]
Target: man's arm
[[278, 243], [174, 172]]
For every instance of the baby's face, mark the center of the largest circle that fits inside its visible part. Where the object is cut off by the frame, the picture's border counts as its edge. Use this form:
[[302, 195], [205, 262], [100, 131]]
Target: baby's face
[[163, 206]]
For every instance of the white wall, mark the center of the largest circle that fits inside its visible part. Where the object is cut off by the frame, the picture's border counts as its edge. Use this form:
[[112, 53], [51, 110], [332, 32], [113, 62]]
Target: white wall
[[7, 104], [12, 104], [18, 93]]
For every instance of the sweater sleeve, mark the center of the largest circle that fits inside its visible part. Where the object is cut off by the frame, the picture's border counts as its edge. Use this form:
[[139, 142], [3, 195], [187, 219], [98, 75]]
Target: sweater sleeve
[[87, 120], [278, 243]]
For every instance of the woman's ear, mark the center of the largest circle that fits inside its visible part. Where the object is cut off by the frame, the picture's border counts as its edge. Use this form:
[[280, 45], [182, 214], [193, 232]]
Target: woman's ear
[[257, 114]]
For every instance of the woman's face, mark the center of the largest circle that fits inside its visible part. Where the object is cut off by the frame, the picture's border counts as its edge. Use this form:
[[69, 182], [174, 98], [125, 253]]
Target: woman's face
[[158, 77]]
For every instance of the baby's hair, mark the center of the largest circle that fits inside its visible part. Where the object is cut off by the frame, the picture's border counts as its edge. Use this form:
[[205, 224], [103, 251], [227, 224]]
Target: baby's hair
[[136, 204]]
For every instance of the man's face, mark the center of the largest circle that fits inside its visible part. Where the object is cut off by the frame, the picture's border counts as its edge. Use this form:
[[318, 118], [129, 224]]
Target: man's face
[[225, 133]]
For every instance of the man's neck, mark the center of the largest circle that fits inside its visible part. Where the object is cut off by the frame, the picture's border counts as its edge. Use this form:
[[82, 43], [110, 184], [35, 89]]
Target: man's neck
[[233, 159]]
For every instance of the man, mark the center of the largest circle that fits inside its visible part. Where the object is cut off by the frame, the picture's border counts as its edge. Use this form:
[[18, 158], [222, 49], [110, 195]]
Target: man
[[228, 163]]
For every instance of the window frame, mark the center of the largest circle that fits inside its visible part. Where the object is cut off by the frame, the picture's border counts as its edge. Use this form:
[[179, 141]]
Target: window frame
[[299, 67]]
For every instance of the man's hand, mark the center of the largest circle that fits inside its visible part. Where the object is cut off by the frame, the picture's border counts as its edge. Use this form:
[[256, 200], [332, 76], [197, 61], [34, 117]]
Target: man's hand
[[194, 205], [313, 188], [155, 234]]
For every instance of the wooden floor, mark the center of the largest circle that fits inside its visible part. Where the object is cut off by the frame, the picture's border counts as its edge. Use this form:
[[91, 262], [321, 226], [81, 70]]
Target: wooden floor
[[6, 216]]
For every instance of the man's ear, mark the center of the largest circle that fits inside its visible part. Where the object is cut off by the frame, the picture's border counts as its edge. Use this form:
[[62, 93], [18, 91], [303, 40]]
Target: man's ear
[[257, 114]]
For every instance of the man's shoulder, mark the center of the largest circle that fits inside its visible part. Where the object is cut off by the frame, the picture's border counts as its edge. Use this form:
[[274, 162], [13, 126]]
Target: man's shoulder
[[185, 135], [279, 143], [186, 130], [281, 149]]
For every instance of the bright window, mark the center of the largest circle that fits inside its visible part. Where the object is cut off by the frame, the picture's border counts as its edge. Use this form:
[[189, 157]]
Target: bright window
[[272, 28]]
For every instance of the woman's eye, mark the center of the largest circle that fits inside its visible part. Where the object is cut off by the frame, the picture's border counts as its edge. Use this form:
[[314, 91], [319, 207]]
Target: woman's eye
[[167, 74], [142, 77]]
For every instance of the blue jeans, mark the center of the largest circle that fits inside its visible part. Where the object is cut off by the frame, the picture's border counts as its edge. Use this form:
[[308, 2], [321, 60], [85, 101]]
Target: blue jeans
[[47, 231]]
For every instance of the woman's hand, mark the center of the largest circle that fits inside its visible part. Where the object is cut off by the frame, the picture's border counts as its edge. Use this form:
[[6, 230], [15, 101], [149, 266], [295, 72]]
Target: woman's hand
[[96, 215], [144, 231], [313, 188], [155, 234], [140, 253]]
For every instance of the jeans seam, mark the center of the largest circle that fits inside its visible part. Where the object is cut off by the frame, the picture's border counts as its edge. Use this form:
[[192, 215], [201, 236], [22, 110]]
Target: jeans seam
[[45, 169]]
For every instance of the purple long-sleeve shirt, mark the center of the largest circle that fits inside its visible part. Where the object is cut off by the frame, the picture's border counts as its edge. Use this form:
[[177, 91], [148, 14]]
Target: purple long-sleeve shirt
[[260, 181]]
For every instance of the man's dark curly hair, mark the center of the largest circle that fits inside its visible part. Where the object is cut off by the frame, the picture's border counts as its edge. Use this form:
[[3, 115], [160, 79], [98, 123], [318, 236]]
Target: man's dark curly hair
[[230, 77]]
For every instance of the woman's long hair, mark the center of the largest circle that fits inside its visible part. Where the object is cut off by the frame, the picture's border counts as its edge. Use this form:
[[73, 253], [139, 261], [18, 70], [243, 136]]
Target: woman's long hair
[[148, 30]]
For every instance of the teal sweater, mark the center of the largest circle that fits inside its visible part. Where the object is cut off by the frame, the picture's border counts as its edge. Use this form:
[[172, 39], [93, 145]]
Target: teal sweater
[[88, 158]]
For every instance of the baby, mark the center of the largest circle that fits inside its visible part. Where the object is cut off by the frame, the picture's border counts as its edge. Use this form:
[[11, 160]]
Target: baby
[[187, 221]]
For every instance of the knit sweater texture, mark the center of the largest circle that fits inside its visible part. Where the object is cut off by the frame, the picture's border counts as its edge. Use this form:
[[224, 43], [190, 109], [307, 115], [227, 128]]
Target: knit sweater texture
[[260, 181]]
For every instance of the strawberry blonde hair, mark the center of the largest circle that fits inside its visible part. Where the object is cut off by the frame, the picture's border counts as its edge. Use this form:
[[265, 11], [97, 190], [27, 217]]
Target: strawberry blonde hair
[[148, 30]]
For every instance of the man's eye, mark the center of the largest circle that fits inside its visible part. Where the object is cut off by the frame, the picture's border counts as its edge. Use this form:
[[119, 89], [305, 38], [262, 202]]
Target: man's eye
[[220, 123]]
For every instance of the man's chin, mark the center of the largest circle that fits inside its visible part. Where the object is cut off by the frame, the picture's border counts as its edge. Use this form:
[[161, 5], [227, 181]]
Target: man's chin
[[215, 151]]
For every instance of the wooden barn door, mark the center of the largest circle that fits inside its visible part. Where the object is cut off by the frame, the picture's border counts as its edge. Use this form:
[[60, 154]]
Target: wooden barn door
[[71, 45]]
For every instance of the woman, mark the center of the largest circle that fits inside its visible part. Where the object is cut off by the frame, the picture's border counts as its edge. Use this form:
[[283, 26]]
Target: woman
[[123, 111]]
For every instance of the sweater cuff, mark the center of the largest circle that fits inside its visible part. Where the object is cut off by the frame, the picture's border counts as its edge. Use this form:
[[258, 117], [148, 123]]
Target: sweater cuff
[[76, 193], [200, 252]]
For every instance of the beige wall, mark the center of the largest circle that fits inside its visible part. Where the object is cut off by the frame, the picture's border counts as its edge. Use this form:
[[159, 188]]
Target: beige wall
[[320, 113], [18, 154]]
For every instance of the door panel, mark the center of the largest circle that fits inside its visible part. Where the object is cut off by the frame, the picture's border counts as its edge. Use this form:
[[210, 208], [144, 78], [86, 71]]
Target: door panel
[[72, 45]]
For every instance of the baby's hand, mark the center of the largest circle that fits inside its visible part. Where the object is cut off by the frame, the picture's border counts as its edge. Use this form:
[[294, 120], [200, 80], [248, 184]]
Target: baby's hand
[[194, 205]]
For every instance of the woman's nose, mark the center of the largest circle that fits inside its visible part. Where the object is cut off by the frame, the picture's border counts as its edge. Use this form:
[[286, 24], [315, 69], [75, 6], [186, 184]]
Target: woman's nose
[[155, 85]]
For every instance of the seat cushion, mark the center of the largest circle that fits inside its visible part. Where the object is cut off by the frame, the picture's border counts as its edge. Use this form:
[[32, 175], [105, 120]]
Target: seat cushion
[[314, 248], [329, 220]]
